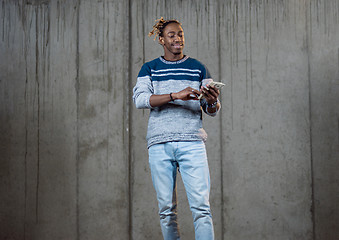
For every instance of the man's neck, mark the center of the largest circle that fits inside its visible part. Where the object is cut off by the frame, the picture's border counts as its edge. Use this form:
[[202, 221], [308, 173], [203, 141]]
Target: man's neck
[[173, 57]]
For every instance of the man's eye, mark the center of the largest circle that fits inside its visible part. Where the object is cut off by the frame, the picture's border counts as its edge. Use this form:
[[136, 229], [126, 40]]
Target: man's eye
[[171, 36]]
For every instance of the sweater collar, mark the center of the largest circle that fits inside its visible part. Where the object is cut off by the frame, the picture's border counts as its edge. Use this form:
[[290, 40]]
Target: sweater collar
[[173, 62]]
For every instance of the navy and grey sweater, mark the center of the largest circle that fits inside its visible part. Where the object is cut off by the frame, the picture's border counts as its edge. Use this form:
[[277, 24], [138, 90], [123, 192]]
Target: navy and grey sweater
[[177, 120]]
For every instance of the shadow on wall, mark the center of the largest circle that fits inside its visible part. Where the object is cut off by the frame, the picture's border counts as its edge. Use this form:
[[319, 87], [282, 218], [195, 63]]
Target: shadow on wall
[[325, 147]]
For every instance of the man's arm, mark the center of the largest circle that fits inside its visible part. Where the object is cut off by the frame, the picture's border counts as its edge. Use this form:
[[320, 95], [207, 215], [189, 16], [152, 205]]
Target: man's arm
[[185, 94]]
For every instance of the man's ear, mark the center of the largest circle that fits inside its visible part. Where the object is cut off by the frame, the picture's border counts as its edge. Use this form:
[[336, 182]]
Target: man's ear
[[161, 40]]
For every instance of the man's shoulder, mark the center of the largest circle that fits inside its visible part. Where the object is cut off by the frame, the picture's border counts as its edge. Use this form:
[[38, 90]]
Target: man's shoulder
[[193, 61], [152, 62], [147, 66], [196, 64]]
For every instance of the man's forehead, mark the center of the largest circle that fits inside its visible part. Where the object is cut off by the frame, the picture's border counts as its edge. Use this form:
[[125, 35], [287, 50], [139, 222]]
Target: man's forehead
[[171, 31], [173, 27]]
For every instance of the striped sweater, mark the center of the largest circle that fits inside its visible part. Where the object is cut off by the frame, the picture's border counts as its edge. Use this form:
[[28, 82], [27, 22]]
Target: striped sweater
[[177, 120]]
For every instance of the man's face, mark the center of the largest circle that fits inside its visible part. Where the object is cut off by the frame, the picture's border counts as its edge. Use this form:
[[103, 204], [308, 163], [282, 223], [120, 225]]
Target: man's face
[[173, 39]]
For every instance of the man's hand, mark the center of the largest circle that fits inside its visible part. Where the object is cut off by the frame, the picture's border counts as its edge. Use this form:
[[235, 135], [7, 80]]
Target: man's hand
[[187, 94], [210, 94]]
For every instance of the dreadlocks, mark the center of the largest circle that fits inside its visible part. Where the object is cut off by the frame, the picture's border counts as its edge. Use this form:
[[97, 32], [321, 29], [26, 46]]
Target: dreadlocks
[[160, 25]]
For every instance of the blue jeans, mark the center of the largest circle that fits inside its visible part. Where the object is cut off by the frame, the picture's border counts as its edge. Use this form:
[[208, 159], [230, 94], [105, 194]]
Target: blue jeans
[[191, 159]]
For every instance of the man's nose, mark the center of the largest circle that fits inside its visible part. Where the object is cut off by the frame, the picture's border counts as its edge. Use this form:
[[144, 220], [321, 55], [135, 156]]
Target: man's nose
[[178, 38]]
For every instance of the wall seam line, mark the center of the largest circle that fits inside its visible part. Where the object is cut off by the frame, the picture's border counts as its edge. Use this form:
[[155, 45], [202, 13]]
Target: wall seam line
[[221, 125], [129, 122], [77, 87], [308, 20], [37, 70]]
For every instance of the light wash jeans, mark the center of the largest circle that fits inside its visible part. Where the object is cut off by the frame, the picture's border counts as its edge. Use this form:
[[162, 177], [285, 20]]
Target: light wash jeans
[[191, 159]]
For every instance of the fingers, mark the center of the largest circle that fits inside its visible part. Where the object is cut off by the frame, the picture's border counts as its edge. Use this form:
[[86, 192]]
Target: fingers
[[188, 94], [210, 93], [196, 92], [189, 89], [214, 91], [193, 94]]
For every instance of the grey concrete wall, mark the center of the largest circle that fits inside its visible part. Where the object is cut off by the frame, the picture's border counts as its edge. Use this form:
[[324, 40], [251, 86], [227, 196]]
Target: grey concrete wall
[[73, 157]]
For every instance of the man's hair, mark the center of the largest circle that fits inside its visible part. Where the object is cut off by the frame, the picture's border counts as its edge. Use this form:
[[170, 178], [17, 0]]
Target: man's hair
[[160, 25]]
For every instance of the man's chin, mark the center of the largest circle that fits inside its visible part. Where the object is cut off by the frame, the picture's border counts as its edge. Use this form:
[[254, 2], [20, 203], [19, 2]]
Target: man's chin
[[178, 52]]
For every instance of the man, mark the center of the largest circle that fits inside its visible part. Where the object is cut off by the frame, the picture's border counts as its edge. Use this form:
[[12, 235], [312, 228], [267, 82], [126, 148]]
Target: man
[[170, 87]]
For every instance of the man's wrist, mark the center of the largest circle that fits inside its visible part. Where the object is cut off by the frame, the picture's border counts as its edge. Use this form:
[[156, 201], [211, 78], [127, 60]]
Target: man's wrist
[[213, 105], [173, 96]]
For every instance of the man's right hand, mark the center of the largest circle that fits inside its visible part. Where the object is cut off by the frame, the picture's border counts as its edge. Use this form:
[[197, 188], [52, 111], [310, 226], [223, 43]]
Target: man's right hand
[[187, 94]]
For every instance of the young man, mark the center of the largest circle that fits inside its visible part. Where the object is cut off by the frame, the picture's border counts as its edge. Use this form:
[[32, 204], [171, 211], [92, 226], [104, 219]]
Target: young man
[[170, 87]]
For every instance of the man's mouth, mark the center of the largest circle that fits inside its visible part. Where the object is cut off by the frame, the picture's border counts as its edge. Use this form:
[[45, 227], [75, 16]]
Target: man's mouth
[[178, 45]]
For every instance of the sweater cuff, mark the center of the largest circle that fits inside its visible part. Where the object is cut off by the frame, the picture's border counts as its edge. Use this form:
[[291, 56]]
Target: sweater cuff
[[214, 113]]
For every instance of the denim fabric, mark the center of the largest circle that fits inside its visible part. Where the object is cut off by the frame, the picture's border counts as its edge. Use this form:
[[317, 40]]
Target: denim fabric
[[191, 160]]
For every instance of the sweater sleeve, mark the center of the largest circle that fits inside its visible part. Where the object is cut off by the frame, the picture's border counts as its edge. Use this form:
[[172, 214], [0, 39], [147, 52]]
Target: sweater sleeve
[[143, 88]]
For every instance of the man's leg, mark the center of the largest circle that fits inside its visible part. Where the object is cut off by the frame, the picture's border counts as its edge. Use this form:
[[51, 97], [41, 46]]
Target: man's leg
[[164, 172], [194, 171]]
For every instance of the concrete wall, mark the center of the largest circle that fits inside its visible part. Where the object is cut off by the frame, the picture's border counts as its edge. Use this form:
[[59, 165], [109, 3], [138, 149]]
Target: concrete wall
[[73, 157]]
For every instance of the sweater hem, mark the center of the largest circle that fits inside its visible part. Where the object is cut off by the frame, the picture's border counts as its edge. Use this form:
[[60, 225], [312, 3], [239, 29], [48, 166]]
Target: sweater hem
[[175, 138]]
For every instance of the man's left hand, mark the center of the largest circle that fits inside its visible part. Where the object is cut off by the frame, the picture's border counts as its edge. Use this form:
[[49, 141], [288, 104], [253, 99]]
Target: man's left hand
[[211, 95]]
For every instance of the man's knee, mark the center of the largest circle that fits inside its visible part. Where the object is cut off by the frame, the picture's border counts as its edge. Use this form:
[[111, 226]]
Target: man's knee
[[201, 212]]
